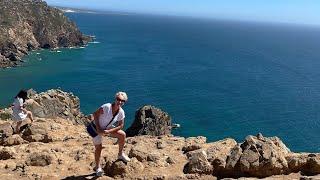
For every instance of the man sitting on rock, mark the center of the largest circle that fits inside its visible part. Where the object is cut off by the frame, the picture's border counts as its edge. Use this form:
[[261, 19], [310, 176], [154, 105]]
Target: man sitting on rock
[[104, 119]]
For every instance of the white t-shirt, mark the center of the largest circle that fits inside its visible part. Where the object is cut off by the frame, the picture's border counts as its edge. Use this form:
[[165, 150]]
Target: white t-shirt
[[106, 117], [18, 114]]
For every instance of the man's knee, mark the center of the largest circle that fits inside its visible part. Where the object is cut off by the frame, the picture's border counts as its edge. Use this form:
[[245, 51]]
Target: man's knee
[[122, 133]]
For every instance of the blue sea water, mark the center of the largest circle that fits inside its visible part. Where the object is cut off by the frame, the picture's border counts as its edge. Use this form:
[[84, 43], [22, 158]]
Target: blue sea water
[[216, 78]]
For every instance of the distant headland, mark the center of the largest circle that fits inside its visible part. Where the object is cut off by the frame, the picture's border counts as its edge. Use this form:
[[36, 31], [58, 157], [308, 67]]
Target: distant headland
[[27, 25]]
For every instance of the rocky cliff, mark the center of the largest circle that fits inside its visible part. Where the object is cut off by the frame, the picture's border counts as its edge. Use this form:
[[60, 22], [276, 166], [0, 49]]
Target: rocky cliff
[[26, 25], [59, 148]]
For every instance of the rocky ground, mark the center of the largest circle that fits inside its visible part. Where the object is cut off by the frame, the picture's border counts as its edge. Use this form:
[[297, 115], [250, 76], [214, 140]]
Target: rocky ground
[[59, 148]]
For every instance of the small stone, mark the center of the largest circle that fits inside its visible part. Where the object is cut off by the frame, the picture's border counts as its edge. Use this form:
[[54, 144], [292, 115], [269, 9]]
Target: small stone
[[160, 145], [39, 159]]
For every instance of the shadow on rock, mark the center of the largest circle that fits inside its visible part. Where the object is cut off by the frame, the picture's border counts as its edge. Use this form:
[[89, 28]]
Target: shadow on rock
[[88, 176]]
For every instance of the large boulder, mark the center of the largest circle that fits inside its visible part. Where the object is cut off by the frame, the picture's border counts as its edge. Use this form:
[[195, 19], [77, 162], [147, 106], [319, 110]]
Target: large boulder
[[6, 130], [308, 164], [55, 103], [12, 140], [259, 157], [312, 166], [218, 153], [296, 161], [139, 152], [198, 163], [150, 120], [207, 158], [36, 132], [119, 168], [194, 143], [232, 163]]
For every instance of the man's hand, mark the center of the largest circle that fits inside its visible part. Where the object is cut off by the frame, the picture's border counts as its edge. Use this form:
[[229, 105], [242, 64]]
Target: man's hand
[[106, 132], [24, 110]]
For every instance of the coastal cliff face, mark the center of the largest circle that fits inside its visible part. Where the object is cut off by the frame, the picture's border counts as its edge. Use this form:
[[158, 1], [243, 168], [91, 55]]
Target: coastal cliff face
[[60, 148], [27, 25]]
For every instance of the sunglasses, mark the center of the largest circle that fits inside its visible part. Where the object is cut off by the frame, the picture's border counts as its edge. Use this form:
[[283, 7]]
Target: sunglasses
[[120, 100]]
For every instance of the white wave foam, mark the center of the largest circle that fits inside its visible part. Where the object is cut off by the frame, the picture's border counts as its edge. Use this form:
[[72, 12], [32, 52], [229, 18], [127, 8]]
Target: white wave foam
[[68, 11]]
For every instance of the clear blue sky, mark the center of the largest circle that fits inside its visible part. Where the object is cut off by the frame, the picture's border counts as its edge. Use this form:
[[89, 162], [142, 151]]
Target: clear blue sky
[[289, 11]]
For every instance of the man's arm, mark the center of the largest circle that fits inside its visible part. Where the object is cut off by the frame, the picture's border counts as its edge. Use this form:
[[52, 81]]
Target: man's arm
[[115, 129]]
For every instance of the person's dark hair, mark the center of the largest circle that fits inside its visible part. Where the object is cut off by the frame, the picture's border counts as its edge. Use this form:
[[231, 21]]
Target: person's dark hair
[[22, 94]]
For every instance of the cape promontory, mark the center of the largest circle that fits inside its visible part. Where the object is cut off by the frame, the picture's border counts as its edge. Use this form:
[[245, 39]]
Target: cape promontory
[[57, 146], [27, 25]]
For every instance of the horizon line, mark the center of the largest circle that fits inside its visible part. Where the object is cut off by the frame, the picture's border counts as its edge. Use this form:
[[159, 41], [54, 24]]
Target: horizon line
[[119, 12]]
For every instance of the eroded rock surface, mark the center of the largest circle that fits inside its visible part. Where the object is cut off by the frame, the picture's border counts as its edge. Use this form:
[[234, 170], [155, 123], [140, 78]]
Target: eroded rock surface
[[56, 148], [56, 103], [150, 120]]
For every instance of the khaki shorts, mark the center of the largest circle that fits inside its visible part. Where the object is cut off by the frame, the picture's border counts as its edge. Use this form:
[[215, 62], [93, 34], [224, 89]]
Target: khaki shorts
[[97, 140]]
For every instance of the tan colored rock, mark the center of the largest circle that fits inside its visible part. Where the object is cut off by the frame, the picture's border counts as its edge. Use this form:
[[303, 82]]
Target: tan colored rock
[[6, 153], [312, 166], [119, 168], [39, 159], [37, 132], [13, 140], [194, 143], [139, 152], [218, 153], [9, 165], [232, 161], [56, 103], [258, 157], [198, 163], [6, 130], [296, 161], [308, 164]]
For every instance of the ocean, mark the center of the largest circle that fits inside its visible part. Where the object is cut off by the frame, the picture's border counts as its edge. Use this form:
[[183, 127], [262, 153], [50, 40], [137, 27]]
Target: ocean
[[216, 78]]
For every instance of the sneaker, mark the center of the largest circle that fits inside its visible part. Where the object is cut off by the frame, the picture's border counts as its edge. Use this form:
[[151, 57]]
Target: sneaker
[[99, 172], [124, 157]]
